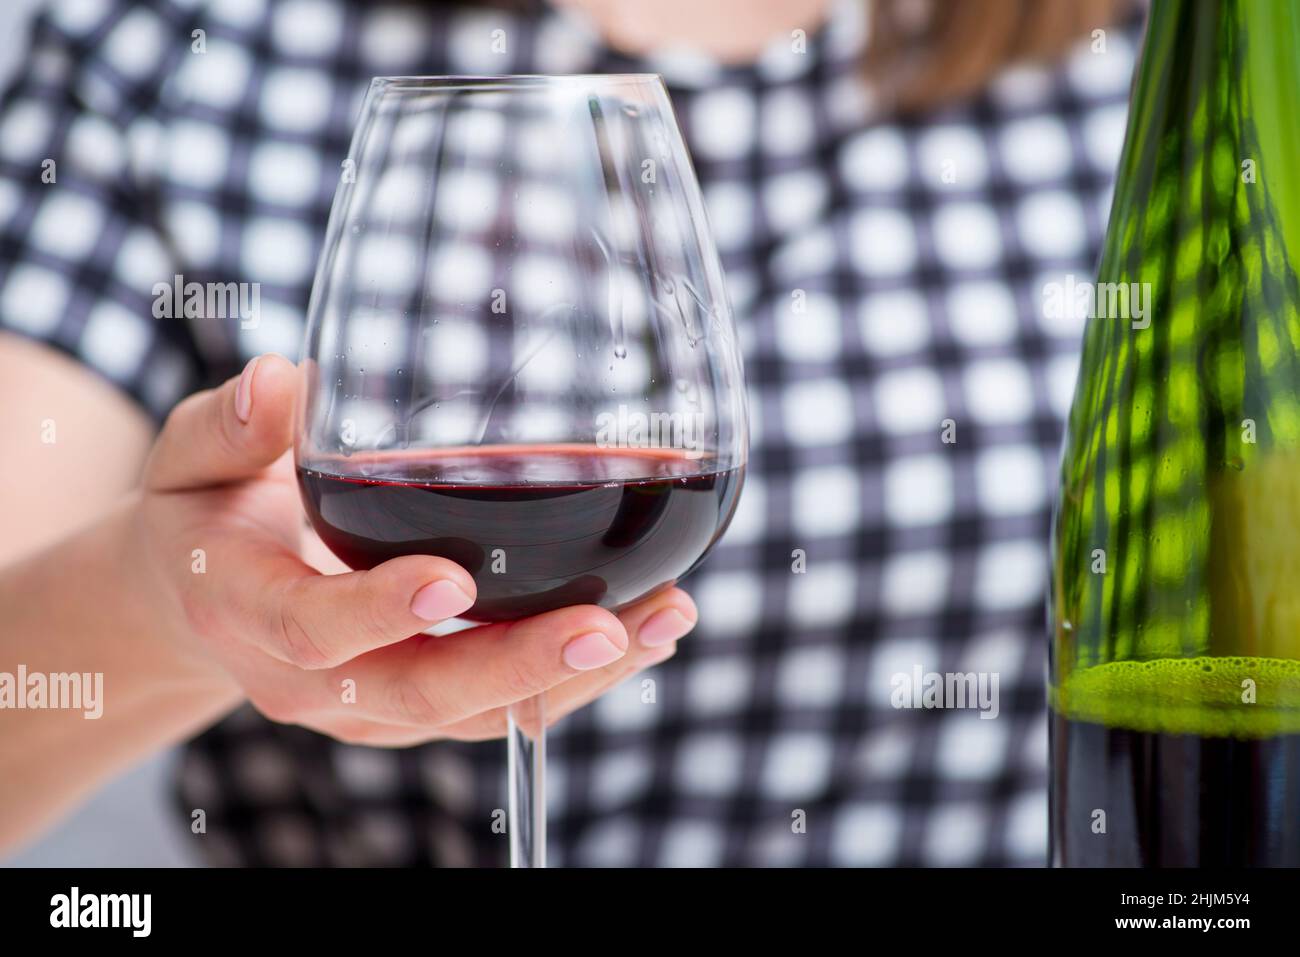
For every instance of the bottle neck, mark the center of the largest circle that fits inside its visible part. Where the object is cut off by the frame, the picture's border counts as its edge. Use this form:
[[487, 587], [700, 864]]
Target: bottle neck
[[1216, 109], [1176, 530]]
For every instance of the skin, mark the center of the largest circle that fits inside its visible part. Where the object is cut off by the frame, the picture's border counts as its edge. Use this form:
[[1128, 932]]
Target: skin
[[118, 594], [732, 31], [97, 568]]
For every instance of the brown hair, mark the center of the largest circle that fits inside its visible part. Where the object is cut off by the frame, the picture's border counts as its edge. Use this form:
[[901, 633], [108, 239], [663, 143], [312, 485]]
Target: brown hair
[[922, 52]]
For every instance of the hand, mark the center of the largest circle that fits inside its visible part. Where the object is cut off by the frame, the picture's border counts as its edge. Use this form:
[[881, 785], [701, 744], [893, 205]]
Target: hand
[[220, 522]]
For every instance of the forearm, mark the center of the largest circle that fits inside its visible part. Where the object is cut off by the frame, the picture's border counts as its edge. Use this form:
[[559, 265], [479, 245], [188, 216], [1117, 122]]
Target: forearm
[[73, 445], [83, 608]]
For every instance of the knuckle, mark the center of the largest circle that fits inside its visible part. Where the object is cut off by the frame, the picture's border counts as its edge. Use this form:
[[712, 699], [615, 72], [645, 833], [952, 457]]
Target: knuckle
[[375, 619], [522, 676], [208, 616], [299, 646], [418, 702]]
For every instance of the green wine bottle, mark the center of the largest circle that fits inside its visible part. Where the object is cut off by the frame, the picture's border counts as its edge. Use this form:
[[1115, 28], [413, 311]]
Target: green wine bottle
[[1174, 668]]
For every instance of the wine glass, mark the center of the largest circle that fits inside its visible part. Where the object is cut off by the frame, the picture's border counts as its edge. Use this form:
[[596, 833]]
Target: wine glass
[[520, 356]]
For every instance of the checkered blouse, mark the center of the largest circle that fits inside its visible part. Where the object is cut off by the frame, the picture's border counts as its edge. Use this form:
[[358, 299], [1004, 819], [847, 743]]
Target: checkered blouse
[[922, 247]]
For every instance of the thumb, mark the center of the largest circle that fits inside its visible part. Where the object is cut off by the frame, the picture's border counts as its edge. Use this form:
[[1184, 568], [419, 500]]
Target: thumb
[[227, 433]]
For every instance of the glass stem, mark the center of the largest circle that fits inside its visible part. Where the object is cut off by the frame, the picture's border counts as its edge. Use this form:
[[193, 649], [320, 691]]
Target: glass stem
[[527, 762]]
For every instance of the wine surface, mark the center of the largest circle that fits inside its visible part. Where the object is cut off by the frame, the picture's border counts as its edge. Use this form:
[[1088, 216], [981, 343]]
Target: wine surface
[[539, 527], [1194, 762]]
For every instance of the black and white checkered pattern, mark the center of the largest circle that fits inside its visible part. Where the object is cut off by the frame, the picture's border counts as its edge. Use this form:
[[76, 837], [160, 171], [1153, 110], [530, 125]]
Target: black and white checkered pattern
[[920, 249]]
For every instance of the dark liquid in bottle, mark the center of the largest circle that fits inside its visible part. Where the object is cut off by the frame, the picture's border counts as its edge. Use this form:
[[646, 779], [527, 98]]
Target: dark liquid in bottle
[[1187, 773]]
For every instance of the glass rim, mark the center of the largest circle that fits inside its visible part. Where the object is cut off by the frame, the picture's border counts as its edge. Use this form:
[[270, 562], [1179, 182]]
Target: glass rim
[[505, 80]]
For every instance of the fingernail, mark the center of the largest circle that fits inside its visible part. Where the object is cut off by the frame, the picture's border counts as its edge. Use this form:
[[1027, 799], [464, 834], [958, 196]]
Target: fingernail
[[244, 391], [592, 650], [663, 627], [440, 600]]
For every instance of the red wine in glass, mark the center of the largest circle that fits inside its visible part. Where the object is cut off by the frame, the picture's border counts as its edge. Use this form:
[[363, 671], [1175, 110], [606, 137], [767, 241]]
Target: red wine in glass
[[539, 527]]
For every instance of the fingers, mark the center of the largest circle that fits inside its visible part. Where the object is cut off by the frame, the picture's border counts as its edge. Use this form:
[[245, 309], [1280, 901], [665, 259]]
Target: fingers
[[268, 602], [661, 619], [561, 701], [396, 728], [460, 685], [655, 626], [322, 621], [434, 681], [228, 433]]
